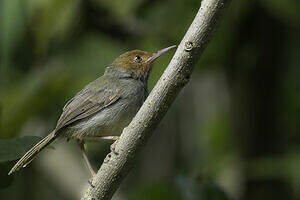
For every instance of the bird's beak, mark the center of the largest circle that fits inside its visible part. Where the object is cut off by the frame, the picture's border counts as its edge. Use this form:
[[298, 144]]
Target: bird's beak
[[159, 53]]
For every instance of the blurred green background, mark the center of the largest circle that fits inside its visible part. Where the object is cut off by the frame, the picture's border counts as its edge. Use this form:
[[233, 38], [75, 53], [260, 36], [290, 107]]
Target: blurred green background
[[233, 132]]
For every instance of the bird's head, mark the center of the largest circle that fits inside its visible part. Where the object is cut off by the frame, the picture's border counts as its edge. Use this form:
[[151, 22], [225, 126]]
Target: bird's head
[[138, 62]]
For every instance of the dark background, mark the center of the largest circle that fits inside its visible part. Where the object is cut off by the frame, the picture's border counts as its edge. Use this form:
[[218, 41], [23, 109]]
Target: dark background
[[233, 132]]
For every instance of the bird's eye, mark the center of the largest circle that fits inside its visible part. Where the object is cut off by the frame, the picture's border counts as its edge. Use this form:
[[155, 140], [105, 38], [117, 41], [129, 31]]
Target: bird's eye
[[138, 58]]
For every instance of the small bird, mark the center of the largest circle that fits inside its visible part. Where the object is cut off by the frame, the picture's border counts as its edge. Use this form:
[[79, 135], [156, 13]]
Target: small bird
[[104, 107]]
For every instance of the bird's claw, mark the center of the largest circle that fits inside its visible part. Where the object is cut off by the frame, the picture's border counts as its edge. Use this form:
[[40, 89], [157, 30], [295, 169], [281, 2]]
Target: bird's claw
[[90, 181], [113, 148]]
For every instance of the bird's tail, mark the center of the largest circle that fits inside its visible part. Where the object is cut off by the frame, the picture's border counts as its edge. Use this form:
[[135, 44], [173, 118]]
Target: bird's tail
[[30, 155]]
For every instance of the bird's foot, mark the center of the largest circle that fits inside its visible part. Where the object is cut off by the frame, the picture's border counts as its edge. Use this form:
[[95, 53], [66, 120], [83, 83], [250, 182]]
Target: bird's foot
[[113, 147], [90, 181]]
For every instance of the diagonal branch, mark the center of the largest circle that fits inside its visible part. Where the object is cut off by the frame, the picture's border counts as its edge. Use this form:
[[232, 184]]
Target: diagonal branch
[[116, 166]]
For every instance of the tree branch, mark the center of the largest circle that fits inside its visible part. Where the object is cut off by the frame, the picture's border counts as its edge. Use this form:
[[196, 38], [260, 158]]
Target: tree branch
[[116, 166]]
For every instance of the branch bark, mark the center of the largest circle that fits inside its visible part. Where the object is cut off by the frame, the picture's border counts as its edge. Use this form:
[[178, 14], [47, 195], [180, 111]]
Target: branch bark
[[116, 166]]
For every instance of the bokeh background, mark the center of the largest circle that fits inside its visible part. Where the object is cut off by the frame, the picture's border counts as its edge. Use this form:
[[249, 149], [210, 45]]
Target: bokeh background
[[233, 132]]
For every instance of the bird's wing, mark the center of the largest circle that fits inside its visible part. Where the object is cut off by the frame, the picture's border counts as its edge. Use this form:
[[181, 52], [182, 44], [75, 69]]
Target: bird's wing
[[86, 103]]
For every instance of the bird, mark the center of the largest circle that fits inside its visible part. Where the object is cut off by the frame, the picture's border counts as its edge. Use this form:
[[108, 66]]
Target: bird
[[104, 107]]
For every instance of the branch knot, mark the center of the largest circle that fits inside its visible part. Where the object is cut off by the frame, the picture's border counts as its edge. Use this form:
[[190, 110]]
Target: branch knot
[[188, 46]]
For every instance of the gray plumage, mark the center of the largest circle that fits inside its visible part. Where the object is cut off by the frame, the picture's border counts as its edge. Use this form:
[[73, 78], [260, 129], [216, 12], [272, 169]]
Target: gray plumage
[[105, 106], [117, 103], [97, 110]]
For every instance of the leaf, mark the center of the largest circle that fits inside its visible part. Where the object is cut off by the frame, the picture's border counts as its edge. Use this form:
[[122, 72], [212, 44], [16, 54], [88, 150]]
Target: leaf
[[12, 149]]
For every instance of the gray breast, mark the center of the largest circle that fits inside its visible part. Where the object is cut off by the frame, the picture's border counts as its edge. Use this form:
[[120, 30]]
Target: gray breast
[[113, 119]]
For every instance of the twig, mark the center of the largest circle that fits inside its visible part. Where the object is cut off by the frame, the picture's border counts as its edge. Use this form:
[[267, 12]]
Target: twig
[[116, 166]]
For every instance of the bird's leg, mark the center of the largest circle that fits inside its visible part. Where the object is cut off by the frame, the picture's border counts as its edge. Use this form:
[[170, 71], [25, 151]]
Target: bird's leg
[[81, 145], [113, 146], [109, 137], [97, 138]]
